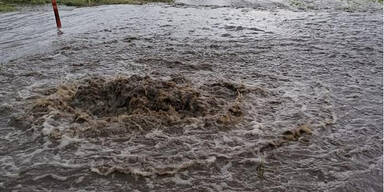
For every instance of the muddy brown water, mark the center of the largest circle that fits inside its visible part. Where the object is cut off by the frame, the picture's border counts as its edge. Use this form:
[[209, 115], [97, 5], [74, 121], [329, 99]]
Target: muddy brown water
[[314, 122]]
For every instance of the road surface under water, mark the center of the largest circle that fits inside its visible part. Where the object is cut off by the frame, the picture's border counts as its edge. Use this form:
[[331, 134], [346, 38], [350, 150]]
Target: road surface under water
[[306, 74]]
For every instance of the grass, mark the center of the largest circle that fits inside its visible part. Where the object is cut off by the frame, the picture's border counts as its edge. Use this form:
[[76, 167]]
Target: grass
[[4, 7], [82, 3], [10, 5]]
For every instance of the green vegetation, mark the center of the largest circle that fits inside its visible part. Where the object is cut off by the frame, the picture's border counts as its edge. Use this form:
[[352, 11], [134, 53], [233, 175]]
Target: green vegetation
[[10, 5], [4, 7], [81, 3]]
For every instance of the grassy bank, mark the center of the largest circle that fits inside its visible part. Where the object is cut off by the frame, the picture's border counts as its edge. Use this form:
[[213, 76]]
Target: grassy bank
[[5, 7], [10, 5]]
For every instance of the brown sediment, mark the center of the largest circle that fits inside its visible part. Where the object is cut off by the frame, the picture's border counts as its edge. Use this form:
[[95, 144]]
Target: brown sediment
[[287, 136], [100, 107]]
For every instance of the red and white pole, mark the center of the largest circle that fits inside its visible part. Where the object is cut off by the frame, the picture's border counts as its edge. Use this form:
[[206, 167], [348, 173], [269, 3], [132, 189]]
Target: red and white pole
[[56, 11]]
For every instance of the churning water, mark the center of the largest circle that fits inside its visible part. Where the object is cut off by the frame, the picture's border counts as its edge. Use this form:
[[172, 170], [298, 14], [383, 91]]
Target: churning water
[[216, 95]]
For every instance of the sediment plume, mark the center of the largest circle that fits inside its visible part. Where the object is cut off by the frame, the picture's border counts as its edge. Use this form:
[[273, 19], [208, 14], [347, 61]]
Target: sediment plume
[[102, 107]]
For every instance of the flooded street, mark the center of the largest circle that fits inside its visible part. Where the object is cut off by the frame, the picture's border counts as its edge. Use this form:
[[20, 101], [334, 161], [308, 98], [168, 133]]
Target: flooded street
[[217, 95]]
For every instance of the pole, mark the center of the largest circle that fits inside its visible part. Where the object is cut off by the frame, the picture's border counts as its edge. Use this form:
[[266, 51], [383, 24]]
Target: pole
[[56, 11]]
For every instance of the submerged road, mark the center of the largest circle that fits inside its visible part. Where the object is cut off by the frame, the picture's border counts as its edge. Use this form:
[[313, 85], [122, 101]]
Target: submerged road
[[320, 63]]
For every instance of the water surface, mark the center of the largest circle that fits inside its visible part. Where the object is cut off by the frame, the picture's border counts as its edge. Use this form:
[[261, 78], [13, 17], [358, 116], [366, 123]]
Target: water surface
[[320, 63]]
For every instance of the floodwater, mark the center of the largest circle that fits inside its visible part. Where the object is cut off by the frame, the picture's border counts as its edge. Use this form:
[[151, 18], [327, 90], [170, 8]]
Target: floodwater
[[312, 119]]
